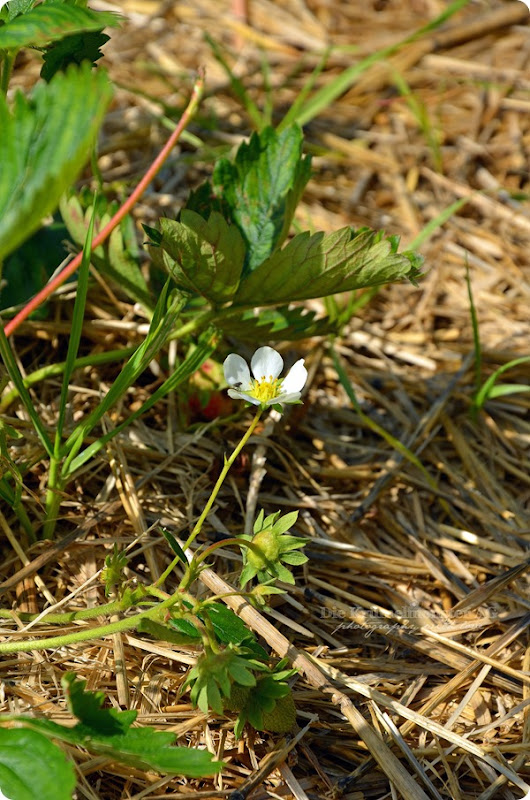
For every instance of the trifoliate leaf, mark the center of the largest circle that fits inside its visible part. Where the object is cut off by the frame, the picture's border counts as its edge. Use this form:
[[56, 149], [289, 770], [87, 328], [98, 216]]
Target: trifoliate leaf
[[262, 188], [31, 766], [45, 141], [203, 256], [50, 22], [325, 263]]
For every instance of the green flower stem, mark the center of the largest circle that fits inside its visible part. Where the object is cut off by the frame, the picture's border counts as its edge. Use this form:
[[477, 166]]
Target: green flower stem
[[85, 635], [198, 557], [207, 508]]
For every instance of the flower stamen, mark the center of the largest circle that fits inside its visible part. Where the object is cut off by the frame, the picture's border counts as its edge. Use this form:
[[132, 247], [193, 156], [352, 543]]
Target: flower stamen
[[265, 389]]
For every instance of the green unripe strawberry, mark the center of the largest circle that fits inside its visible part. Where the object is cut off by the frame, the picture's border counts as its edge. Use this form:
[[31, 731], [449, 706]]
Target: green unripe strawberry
[[282, 718], [265, 550]]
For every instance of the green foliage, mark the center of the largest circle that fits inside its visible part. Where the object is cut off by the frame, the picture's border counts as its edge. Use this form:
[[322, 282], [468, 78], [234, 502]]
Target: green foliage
[[112, 574], [119, 257], [31, 766], [51, 22], [53, 132], [490, 389], [109, 732], [324, 263], [31, 265], [72, 49], [205, 257], [267, 706], [226, 245], [276, 324], [214, 672], [225, 624], [262, 188], [269, 546]]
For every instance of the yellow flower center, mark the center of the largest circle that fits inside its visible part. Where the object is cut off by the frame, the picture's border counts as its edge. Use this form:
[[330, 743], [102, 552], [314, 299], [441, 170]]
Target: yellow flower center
[[265, 389]]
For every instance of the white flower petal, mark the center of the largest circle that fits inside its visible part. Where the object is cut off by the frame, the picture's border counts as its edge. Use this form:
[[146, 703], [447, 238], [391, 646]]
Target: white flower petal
[[236, 371], [295, 379], [2, 4], [266, 363], [292, 397], [235, 395]]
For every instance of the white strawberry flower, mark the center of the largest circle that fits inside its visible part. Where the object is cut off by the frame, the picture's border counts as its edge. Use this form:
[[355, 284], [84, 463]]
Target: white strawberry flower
[[265, 388]]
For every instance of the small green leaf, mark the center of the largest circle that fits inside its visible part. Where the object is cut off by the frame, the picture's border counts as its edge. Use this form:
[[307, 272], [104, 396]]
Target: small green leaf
[[321, 264], [44, 143], [172, 542], [31, 766], [165, 634], [73, 49], [294, 559], [504, 389], [87, 707], [241, 675], [112, 574], [262, 188], [202, 256], [286, 522], [227, 625], [488, 390], [50, 22]]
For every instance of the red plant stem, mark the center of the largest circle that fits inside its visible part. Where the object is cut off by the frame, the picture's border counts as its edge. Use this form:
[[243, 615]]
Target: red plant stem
[[59, 279]]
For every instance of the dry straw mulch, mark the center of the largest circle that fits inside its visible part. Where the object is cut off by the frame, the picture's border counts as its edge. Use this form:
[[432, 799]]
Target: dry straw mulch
[[409, 623]]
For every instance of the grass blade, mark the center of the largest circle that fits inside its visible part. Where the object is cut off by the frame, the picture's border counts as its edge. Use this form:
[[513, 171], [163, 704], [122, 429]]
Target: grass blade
[[14, 373], [325, 96], [77, 327], [191, 364]]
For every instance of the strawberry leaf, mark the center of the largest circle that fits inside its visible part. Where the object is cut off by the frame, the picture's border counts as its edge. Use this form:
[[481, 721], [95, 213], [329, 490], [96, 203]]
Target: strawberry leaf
[[51, 22], [45, 141], [31, 766], [326, 263], [262, 187]]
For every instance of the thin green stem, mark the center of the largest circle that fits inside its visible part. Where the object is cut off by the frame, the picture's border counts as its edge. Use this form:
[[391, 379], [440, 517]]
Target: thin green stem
[[53, 497], [215, 491], [87, 634], [7, 69], [66, 616]]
